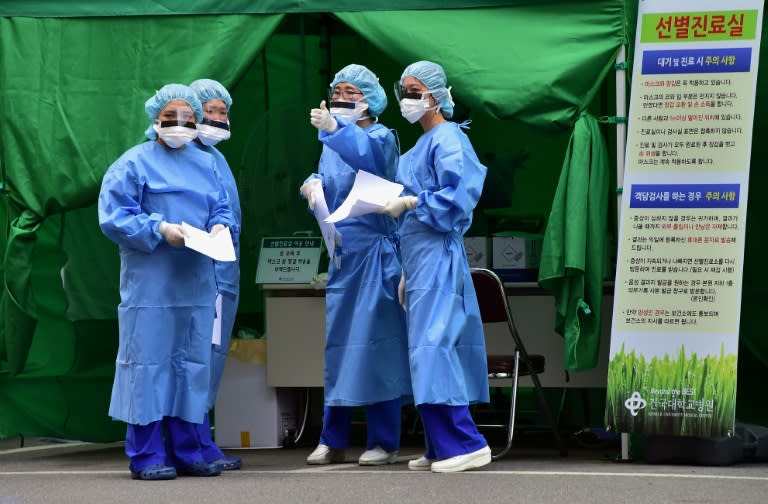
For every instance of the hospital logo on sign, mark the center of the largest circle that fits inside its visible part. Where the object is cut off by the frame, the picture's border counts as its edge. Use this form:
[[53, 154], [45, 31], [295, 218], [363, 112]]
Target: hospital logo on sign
[[635, 403]]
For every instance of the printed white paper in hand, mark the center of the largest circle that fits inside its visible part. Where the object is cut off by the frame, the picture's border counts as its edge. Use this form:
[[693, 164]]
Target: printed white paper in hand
[[369, 194], [327, 229], [217, 247]]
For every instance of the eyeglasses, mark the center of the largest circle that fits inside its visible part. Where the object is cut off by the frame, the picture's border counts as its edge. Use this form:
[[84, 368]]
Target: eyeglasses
[[347, 94], [410, 93], [177, 114], [215, 110]]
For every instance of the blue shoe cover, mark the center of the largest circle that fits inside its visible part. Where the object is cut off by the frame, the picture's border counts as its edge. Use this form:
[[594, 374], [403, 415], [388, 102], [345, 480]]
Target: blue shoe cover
[[229, 463], [200, 468], [155, 472]]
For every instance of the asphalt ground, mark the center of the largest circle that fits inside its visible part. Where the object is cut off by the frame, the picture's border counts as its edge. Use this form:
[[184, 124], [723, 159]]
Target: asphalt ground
[[50, 472]]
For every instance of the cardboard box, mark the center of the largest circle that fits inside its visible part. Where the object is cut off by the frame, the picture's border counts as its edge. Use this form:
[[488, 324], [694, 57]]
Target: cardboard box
[[248, 413], [476, 248], [516, 259]]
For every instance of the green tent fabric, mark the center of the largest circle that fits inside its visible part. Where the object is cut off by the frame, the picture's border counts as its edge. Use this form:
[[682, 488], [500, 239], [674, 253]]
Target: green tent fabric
[[17, 308], [573, 253], [90, 80], [65, 123], [85, 80], [544, 71], [69, 8]]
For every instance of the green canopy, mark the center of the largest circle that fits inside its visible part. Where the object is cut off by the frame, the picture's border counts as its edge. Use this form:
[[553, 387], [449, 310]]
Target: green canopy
[[68, 8], [541, 65]]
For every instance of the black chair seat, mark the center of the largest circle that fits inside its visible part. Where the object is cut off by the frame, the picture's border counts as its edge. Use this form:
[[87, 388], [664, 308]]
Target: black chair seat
[[506, 364]]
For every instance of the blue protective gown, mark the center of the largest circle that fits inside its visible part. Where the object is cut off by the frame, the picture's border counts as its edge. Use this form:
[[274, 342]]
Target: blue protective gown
[[227, 275], [445, 333], [366, 353], [167, 294]]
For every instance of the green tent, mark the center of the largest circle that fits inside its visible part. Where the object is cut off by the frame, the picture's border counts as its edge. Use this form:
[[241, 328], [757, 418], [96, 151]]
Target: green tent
[[532, 76]]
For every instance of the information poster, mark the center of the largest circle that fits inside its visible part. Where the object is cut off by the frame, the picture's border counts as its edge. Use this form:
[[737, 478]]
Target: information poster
[[288, 260], [675, 328]]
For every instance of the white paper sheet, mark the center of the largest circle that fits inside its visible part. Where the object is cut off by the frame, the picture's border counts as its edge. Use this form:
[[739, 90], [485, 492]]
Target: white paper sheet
[[218, 247], [369, 194], [327, 229], [216, 337]]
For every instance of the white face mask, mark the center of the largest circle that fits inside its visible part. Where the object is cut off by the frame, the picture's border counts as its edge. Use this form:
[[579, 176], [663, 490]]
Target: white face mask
[[413, 109], [348, 111], [212, 132], [175, 135]]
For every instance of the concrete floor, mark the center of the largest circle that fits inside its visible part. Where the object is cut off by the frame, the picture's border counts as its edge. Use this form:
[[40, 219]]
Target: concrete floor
[[48, 471]]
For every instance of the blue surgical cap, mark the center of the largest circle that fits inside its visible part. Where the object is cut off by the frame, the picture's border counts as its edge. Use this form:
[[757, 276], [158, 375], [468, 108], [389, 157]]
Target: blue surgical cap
[[432, 75], [209, 89], [367, 82], [167, 94]]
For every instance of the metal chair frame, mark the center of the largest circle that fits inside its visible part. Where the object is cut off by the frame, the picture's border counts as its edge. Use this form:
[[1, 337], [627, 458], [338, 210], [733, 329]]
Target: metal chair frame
[[520, 354]]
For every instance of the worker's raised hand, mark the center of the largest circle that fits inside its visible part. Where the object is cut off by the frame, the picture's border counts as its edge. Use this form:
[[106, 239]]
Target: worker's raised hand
[[397, 206], [310, 190], [172, 233], [322, 119]]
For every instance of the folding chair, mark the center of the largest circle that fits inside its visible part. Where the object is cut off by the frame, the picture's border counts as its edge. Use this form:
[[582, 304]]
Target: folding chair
[[494, 307]]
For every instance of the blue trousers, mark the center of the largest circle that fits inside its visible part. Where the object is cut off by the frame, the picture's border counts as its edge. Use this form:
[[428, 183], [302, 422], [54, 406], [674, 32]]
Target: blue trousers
[[145, 445], [449, 431], [210, 450], [382, 422]]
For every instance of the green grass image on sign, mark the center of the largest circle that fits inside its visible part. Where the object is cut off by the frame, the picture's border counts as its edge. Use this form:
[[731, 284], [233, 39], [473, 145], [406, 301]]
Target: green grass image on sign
[[684, 396]]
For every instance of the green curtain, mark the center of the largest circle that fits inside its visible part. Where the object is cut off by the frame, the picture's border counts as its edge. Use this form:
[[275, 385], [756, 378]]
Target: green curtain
[[573, 253], [541, 64], [78, 107]]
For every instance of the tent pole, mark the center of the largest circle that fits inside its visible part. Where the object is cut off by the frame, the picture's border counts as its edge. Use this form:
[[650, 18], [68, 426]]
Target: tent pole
[[621, 131]]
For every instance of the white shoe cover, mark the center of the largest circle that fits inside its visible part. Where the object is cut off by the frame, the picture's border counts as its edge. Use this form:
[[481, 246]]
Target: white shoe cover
[[464, 462], [420, 464], [378, 456], [325, 455]]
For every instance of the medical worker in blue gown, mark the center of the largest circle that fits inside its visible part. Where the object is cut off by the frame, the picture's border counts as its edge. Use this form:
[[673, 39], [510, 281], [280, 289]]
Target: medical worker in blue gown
[[167, 291], [442, 181], [366, 354], [216, 103]]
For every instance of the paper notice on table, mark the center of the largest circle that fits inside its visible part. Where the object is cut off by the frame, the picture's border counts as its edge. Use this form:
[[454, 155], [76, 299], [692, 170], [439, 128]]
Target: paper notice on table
[[217, 247], [216, 337], [327, 229], [369, 194]]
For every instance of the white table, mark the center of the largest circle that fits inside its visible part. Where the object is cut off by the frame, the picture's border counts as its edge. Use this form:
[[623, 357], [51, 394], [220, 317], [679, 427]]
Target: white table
[[295, 330]]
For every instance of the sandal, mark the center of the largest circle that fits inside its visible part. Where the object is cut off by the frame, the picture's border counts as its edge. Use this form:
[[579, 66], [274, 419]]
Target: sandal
[[229, 463], [154, 473], [200, 468]]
